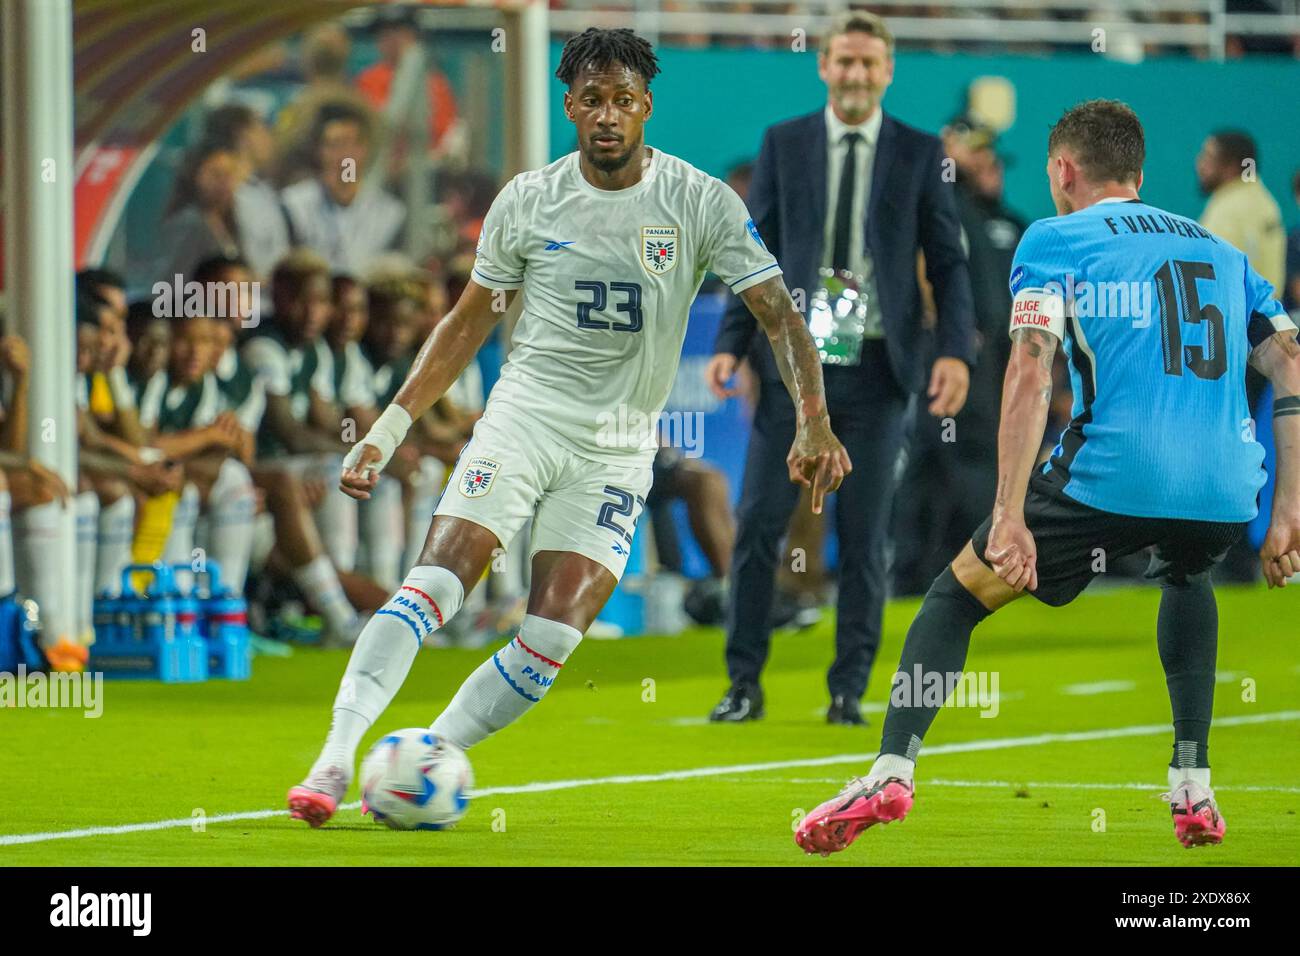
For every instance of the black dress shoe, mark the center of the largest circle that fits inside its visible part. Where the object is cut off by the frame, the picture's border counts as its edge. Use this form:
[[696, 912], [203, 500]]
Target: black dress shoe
[[742, 702], [844, 710]]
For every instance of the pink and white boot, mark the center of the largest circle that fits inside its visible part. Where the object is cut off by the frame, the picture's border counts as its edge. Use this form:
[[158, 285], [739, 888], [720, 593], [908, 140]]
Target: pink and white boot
[[1197, 821], [316, 798], [862, 803]]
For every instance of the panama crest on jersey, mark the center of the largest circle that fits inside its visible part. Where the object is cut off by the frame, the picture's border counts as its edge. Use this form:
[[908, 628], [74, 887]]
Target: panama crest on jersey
[[476, 480], [659, 249]]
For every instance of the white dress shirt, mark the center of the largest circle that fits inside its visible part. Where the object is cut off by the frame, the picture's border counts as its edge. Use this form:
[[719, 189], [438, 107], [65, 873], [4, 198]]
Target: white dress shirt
[[864, 159], [263, 232], [349, 237]]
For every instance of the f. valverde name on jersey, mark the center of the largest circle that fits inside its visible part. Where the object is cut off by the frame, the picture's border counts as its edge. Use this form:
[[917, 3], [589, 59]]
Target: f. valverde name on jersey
[[608, 278], [1158, 318]]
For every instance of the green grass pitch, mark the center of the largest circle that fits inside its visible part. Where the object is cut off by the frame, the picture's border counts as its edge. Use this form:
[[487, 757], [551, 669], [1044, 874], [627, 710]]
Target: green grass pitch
[[1069, 771]]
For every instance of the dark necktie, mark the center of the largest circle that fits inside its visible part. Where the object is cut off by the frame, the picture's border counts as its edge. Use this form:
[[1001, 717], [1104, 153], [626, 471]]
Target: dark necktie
[[844, 204]]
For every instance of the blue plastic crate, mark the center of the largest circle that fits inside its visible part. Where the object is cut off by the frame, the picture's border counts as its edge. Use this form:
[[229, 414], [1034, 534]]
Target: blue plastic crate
[[145, 641], [18, 631], [223, 625]]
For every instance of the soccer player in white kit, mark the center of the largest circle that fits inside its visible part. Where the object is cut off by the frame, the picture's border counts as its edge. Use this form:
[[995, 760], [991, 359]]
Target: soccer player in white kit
[[609, 245]]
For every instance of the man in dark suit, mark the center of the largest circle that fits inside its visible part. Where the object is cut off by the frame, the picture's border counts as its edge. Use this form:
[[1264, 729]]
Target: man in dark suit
[[847, 189]]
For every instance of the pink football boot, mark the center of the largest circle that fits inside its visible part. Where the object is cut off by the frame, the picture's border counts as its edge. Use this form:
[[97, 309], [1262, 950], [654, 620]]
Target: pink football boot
[[317, 797], [1197, 821], [836, 823]]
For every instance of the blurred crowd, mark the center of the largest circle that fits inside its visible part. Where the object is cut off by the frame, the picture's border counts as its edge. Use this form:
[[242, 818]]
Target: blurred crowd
[[1124, 44], [334, 169], [282, 316]]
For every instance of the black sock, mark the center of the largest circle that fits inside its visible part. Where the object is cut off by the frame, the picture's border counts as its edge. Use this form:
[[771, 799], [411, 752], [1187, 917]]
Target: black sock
[[1187, 634], [936, 643]]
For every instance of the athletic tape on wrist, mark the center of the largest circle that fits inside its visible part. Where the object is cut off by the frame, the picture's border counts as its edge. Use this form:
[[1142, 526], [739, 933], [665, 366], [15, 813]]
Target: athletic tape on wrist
[[385, 435]]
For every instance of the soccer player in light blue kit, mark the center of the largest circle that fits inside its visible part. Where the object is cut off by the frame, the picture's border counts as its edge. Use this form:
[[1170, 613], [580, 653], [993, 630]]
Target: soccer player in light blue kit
[[1158, 319]]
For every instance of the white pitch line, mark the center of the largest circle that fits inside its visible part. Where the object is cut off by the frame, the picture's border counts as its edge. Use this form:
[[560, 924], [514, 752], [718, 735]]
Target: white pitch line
[[1098, 687], [967, 746]]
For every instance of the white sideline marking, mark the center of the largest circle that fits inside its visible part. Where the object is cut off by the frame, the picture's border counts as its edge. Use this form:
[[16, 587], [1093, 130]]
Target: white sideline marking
[[967, 746], [1098, 687]]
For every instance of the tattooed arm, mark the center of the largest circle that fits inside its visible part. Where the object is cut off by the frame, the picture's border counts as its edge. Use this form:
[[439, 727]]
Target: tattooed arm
[[1026, 393], [816, 457], [1278, 359]]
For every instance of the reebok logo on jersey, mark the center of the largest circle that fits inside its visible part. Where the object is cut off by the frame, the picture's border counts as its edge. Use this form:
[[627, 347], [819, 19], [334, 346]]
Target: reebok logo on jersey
[[553, 244], [477, 478], [658, 248]]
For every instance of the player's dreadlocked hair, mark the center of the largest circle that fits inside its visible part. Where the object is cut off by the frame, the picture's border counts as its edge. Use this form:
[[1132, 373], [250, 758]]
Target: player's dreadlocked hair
[[600, 48]]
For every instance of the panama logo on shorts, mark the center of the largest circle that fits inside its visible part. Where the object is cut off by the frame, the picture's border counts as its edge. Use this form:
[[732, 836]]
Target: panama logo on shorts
[[478, 476], [658, 248]]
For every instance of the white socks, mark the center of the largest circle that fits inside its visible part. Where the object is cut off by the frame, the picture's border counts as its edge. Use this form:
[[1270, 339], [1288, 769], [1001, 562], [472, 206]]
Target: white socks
[[320, 585], [1199, 775], [7, 583], [231, 504], [113, 548], [509, 683], [891, 765], [382, 526], [40, 570], [87, 507], [383, 656]]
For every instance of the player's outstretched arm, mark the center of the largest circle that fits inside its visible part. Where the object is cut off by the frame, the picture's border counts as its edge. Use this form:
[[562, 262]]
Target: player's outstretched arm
[[816, 458], [1278, 359], [450, 347], [1026, 394]]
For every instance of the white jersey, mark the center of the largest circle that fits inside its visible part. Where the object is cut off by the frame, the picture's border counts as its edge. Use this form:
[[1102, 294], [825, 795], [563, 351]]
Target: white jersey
[[608, 277]]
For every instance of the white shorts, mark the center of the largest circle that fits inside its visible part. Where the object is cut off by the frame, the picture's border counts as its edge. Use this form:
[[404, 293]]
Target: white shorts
[[514, 469]]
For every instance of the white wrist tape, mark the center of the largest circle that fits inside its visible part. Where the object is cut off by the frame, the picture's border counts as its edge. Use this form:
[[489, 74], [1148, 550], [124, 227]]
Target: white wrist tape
[[385, 434]]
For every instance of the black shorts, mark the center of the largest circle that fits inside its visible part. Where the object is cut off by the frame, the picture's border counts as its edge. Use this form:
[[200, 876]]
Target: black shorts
[[1076, 542]]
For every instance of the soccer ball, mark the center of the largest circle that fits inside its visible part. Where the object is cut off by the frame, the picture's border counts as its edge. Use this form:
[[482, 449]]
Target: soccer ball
[[414, 780]]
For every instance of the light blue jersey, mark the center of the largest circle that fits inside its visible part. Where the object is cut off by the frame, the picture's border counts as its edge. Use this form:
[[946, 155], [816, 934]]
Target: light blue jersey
[[1158, 318]]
